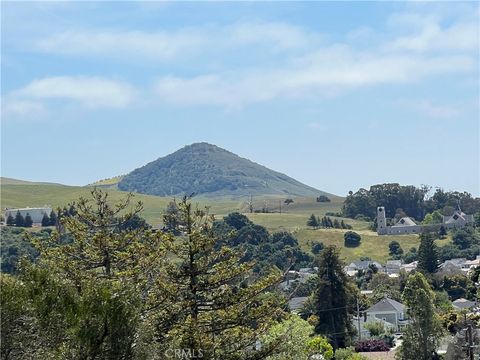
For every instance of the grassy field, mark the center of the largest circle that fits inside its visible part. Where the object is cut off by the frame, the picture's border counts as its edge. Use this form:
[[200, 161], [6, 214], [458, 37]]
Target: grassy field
[[293, 217]]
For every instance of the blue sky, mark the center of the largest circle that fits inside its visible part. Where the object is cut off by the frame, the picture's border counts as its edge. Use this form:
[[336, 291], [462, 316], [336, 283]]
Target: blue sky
[[338, 95]]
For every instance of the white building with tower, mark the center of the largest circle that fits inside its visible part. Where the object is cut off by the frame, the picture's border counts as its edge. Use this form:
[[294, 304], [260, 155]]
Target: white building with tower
[[407, 225]]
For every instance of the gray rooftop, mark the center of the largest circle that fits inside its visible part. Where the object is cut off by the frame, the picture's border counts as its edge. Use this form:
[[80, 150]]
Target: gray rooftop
[[387, 304]]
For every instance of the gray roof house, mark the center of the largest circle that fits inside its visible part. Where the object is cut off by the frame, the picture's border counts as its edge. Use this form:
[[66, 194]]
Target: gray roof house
[[352, 268], [393, 266], [389, 311], [462, 303]]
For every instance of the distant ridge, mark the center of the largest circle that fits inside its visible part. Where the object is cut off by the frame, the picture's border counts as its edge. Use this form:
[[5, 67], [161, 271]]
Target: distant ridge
[[12, 181], [205, 169]]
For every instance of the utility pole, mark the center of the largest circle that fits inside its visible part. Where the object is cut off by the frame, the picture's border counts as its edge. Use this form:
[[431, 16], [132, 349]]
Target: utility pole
[[280, 205], [358, 320], [470, 342]]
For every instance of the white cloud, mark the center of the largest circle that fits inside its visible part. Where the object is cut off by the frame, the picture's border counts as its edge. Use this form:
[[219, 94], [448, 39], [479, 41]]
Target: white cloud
[[325, 72], [434, 111], [21, 108], [92, 92], [169, 45]]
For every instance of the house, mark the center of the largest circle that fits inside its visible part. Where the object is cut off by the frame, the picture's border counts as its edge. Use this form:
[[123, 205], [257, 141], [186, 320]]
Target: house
[[364, 265], [392, 267], [35, 213], [461, 304], [296, 303], [389, 311], [410, 266], [454, 266]]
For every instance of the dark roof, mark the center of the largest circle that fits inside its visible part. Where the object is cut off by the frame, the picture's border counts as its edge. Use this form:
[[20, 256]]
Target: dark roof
[[387, 304]]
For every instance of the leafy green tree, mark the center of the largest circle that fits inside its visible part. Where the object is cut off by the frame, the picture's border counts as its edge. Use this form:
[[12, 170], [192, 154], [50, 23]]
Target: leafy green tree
[[45, 220], [206, 300], [237, 220], [312, 221], [317, 247], [10, 220], [288, 201], [28, 222], [332, 298], [395, 250], [442, 232], [19, 220], [351, 239], [319, 345], [427, 253], [464, 237], [422, 335], [477, 219]]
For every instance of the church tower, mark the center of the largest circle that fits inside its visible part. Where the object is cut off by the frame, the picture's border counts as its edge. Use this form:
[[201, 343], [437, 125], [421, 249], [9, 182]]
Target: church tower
[[381, 221]]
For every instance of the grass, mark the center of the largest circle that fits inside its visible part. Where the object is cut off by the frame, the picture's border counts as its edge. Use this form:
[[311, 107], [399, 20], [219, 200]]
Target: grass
[[293, 217]]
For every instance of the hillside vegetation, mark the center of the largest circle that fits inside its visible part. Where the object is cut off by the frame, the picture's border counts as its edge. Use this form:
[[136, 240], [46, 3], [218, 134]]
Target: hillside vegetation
[[206, 169]]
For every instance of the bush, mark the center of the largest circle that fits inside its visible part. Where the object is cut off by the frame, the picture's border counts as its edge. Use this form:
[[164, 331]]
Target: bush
[[323, 198], [371, 345], [317, 247], [352, 239]]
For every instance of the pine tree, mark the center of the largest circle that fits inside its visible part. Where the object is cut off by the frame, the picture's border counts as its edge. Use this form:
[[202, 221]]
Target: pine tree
[[332, 299], [28, 222], [336, 224], [342, 224], [422, 335], [19, 220], [206, 300], [312, 221], [45, 220], [442, 232], [53, 218], [10, 220], [427, 253]]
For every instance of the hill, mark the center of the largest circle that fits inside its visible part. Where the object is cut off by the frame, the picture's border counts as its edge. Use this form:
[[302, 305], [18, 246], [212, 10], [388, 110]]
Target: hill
[[209, 170], [11, 181]]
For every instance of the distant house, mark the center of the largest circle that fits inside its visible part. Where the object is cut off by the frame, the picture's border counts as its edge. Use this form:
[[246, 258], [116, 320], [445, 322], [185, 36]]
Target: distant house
[[388, 311], [392, 267], [296, 303], [364, 265], [455, 266], [410, 266], [461, 304]]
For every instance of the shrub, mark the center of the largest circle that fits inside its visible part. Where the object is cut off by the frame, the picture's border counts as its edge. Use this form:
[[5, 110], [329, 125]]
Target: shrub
[[371, 345], [352, 239], [317, 247]]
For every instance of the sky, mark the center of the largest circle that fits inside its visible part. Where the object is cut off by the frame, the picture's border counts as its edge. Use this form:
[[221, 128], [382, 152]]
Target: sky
[[339, 95]]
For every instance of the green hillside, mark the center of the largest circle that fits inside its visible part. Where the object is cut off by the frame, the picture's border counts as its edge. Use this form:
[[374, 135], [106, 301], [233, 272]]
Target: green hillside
[[206, 169], [293, 217]]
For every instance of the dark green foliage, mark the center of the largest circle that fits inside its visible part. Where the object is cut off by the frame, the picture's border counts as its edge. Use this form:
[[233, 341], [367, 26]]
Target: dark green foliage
[[14, 246], [19, 220], [395, 250], [203, 168], [288, 201], [477, 219], [135, 222], [53, 218], [465, 237], [237, 220], [317, 247], [28, 222], [332, 298], [458, 286], [410, 256], [427, 253], [442, 232], [10, 220], [450, 199], [351, 239], [323, 198], [45, 220], [312, 221]]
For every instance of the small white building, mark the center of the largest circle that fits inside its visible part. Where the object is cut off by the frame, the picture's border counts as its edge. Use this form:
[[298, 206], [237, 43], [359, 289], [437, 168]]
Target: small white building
[[35, 213]]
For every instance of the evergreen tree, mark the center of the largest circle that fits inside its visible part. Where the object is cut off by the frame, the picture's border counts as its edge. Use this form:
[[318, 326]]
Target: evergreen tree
[[45, 220], [28, 222], [206, 300], [332, 299], [53, 218], [343, 225], [336, 224], [442, 232], [19, 220], [427, 253], [312, 221], [10, 220], [423, 332]]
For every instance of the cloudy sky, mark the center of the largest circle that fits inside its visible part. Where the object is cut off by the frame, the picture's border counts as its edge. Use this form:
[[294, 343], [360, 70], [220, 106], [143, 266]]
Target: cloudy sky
[[338, 95]]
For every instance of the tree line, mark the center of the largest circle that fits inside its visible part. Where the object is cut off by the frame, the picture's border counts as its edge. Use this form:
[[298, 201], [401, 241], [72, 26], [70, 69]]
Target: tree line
[[408, 200]]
